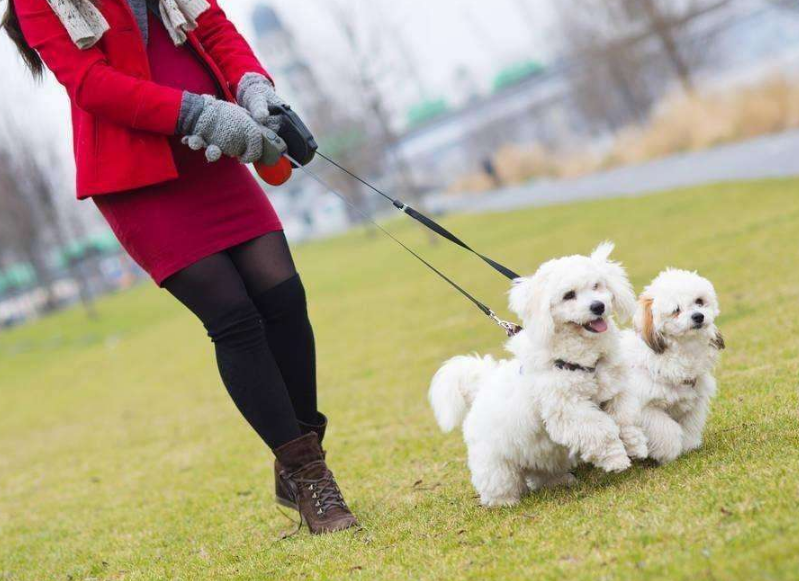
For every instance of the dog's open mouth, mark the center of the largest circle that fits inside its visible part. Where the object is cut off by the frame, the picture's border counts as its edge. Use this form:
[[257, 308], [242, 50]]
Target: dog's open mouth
[[598, 325]]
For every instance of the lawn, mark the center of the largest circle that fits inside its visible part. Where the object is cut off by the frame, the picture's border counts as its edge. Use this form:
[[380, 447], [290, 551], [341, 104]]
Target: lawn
[[121, 456]]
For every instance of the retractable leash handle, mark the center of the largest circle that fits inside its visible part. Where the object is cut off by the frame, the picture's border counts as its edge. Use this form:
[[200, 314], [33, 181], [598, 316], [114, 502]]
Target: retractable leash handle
[[300, 146]]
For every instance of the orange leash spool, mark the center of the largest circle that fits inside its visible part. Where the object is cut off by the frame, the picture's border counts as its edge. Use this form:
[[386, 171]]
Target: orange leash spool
[[275, 175]]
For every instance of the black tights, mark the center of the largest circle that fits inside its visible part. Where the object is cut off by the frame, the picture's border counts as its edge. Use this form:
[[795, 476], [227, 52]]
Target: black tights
[[252, 303]]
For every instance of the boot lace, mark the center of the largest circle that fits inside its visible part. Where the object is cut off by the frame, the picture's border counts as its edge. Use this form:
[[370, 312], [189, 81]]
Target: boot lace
[[325, 493]]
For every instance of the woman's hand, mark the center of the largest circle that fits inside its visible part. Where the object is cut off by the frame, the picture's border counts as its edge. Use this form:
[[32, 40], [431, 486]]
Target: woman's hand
[[256, 93], [225, 128]]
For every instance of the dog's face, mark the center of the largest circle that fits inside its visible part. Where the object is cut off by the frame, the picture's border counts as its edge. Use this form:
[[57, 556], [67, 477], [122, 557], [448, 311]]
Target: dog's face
[[578, 291], [677, 305]]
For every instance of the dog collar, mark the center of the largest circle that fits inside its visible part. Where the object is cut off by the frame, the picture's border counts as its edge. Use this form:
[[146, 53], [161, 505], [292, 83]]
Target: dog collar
[[568, 366]]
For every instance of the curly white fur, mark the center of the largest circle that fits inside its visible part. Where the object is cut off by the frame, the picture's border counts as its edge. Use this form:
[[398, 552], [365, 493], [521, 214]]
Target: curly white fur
[[670, 357], [526, 422]]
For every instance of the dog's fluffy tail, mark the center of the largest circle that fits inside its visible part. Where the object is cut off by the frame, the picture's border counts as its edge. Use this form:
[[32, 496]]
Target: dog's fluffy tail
[[455, 386]]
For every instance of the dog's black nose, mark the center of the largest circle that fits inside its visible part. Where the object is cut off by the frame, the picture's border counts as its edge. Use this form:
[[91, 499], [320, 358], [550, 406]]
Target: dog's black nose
[[597, 307], [697, 318]]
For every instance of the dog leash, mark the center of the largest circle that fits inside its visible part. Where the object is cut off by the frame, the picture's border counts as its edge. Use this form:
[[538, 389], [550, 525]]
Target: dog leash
[[507, 326], [425, 221]]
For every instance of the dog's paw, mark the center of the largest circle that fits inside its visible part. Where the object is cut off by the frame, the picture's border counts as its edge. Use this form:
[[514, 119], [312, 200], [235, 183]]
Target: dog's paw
[[539, 481], [634, 442], [690, 444], [665, 451], [535, 481], [615, 463]]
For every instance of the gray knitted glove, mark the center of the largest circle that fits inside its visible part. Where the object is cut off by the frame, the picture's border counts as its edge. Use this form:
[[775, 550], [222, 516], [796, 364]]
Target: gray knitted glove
[[225, 128], [256, 93]]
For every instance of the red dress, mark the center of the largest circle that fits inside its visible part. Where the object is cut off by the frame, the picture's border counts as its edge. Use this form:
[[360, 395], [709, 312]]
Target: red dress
[[208, 208]]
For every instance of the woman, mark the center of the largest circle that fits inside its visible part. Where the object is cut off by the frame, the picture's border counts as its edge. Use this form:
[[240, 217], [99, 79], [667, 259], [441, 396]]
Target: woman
[[151, 84]]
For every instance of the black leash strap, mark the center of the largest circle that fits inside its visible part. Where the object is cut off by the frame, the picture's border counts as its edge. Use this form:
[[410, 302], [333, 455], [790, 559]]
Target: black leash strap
[[426, 221], [509, 328]]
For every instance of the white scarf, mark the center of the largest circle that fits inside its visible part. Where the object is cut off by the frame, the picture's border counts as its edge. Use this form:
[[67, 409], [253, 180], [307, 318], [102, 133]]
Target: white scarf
[[86, 24]]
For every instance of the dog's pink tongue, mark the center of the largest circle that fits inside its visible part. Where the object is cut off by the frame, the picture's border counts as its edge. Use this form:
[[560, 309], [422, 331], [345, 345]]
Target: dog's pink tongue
[[598, 325]]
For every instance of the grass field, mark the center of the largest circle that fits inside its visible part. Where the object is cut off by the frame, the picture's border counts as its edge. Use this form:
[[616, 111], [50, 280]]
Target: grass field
[[121, 456]]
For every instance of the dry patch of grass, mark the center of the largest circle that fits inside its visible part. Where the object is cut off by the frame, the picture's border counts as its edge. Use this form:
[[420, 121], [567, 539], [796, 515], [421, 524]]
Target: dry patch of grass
[[680, 123], [695, 122]]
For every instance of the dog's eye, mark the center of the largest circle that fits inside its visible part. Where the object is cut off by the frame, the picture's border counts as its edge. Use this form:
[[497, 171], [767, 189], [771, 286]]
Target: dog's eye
[[700, 302], [676, 311], [596, 286], [570, 296]]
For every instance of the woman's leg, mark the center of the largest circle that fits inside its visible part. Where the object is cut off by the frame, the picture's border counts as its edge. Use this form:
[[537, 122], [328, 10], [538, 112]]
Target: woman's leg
[[267, 269], [213, 290], [302, 479]]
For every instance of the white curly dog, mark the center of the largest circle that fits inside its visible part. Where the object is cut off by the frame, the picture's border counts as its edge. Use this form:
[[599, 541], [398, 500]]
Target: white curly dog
[[529, 419], [671, 356]]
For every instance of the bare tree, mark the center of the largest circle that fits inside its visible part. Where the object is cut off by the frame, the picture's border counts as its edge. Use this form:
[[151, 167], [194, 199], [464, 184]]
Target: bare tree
[[620, 50], [342, 137], [786, 4], [372, 65], [607, 78], [32, 222], [22, 234], [45, 173], [525, 10]]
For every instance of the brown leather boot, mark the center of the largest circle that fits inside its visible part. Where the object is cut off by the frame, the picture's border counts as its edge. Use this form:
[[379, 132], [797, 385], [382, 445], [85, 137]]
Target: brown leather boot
[[282, 495], [311, 487]]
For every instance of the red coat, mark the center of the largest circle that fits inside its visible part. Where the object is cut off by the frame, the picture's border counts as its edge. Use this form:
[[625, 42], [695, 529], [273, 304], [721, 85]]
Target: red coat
[[120, 118]]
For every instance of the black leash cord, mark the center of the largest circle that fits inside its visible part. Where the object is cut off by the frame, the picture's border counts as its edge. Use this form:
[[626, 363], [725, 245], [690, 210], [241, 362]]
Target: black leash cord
[[509, 328], [426, 221]]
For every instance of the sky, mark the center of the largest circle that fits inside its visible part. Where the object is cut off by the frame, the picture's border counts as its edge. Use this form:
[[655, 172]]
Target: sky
[[440, 37]]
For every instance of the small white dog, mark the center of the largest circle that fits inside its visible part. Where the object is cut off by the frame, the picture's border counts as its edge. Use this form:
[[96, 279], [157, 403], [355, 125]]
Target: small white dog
[[560, 399], [671, 357]]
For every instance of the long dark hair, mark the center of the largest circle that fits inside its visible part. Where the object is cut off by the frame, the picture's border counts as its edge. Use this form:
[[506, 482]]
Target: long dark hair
[[30, 57], [11, 24]]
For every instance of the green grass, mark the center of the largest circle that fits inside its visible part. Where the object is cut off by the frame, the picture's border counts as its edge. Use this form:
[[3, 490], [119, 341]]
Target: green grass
[[121, 456]]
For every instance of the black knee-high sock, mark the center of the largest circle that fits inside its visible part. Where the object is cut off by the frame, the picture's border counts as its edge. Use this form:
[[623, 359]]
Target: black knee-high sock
[[290, 336], [251, 375]]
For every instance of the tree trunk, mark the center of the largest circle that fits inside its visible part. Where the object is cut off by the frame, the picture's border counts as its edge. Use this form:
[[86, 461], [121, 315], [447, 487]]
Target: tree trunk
[[664, 33]]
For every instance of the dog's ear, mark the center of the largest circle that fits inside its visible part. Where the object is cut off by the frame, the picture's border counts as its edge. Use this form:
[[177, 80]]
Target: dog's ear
[[528, 299], [617, 281], [602, 252], [644, 324], [718, 341]]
